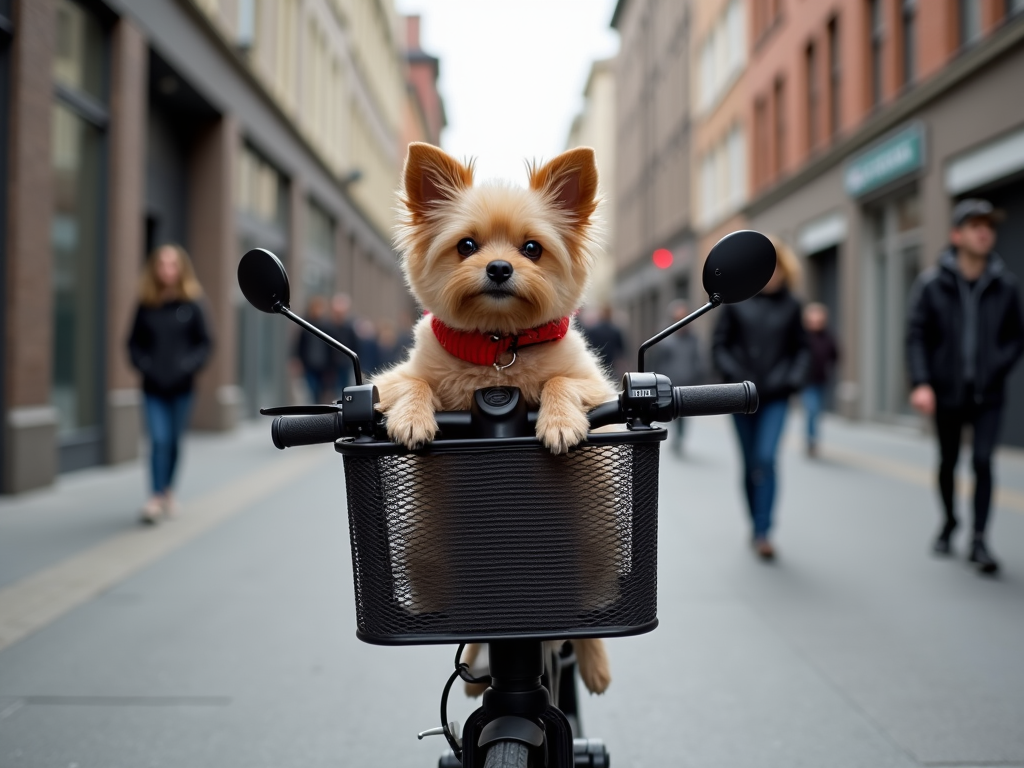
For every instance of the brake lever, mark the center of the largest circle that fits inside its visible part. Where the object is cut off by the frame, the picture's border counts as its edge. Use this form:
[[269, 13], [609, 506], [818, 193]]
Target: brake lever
[[301, 410]]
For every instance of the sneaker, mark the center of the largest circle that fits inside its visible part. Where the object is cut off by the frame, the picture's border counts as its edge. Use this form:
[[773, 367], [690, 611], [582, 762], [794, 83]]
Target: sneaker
[[981, 557], [764, 549], [942, 545], [151, 512]]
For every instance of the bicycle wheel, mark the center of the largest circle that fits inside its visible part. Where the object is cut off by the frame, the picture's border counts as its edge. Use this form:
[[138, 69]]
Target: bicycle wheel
[[508, 754]]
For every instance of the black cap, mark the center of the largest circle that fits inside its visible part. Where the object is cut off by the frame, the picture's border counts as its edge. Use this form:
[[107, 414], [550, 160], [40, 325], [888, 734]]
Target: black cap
[[975, 208]]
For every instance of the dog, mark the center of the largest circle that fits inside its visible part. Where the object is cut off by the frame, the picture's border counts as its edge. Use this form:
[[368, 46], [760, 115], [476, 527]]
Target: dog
[[500, 271]]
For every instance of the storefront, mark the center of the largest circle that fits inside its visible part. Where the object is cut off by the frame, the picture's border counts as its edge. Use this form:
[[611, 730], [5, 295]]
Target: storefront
[[883, 180], [870, 214], [994, 170]]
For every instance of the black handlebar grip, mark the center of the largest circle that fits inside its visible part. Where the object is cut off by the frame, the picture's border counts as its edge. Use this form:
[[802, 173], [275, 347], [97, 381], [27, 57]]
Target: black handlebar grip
[[289, 431], [714, 399]]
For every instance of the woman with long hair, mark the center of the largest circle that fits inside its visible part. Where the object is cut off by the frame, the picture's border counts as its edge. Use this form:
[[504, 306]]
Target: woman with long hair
[[169, 344], [763, 340]]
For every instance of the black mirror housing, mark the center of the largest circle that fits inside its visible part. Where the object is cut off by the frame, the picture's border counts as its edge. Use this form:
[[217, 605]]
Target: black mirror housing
[[739, 266], [264, 281]]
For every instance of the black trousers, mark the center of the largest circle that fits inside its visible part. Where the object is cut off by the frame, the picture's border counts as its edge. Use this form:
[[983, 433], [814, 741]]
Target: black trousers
[[949, 423]]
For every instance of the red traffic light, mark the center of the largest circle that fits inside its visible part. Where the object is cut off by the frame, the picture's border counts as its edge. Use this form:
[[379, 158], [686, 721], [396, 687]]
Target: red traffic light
[[662, 258]]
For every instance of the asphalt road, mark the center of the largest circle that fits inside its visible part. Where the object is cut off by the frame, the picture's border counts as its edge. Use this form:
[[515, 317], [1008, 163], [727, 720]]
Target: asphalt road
[[226, 638]]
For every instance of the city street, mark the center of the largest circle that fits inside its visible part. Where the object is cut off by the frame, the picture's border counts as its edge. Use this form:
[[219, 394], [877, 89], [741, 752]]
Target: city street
[[225, 638]]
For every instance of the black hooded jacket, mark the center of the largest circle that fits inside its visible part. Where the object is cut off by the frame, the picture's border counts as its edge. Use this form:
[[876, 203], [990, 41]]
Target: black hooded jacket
[[935, 331], [763, 340], [168, 345]]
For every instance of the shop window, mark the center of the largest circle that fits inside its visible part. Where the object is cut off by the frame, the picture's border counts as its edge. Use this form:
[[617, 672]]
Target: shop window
[[79, 51], [318, 269], [78, 135], [894, 228]]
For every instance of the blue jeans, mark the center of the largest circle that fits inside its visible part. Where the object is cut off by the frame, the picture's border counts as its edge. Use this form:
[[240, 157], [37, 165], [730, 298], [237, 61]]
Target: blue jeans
[[814, 400], [759, 435], [166, 419]]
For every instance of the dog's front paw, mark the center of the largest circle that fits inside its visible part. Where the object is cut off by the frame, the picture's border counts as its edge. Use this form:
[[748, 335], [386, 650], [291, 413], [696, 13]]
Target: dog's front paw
[[561, 429], [411, 426]]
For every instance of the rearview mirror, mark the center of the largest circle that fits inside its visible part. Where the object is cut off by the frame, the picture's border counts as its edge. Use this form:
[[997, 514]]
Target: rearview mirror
[[263, 281], [739, 266]]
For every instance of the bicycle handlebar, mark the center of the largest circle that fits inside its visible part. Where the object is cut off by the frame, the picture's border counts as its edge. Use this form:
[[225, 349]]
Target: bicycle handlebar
[[714, 399], [292, 431], [707, 400]]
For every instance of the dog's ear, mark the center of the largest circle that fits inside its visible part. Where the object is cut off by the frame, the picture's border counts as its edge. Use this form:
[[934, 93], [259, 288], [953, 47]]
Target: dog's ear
[[432, 175], [570, 181]]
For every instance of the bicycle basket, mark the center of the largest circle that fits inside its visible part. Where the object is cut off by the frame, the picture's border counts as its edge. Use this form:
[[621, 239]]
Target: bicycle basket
[[494, 539]]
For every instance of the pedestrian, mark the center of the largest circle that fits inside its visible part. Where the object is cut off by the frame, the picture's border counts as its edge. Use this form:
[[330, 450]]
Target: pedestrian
[[763, 340], [824, 355], [965, 333], [168, 345], [342, 329], [392, 345], [679, 358], [314, 356], [367, 346], [605, 339]]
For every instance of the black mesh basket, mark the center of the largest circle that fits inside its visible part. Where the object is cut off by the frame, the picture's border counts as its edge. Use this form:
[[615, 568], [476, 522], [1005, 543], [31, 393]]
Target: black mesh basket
[[493, 539]]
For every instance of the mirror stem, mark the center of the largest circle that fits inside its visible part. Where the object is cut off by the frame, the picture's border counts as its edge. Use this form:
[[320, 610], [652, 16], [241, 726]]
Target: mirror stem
[[715, 301], [327, 339]]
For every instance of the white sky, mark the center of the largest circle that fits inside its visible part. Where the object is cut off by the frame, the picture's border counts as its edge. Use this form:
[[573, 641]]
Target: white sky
[[512, 73]]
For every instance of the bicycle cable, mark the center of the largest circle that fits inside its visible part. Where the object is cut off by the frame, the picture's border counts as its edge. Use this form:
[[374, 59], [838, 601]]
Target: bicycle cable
[[461, 670]]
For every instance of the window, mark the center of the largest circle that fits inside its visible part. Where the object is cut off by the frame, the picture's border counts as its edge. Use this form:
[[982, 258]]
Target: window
[[877, 34], [833, 77], [736, 161], [262, 190], [779, 112], [723, 54], [970, 21], [77, 138], [318, 269], [811, 71], [762, 169], [908, 19]]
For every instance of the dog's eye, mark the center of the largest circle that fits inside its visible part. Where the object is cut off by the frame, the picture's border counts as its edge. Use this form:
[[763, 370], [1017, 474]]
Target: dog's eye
[[466, 247], [531, 250]]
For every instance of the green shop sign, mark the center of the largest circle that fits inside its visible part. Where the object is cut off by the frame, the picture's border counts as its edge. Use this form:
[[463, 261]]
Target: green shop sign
[[897, 156]]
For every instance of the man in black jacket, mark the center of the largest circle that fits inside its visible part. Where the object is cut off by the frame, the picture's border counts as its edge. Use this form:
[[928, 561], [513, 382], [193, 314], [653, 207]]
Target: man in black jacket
[[965, 334]]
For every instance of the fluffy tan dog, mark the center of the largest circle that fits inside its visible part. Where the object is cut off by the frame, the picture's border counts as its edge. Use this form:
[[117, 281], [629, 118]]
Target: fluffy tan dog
[[500, 270]]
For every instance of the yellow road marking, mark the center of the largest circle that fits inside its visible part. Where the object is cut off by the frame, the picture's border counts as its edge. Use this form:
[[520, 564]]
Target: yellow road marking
[[38, 599], [1007, 498]]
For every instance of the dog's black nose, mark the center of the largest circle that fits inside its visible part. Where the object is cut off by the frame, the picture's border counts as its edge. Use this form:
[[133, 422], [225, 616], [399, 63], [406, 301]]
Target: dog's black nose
[[499, 271]]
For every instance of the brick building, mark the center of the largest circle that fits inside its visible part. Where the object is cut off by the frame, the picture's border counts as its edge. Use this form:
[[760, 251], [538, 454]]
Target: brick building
[[219, 124], [869, 120]]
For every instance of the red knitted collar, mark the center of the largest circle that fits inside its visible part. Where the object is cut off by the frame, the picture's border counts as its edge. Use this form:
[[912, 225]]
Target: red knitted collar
[[487, 348]]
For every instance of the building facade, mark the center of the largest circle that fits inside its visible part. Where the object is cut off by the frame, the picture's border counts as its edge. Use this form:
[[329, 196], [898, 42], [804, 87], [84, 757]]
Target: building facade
[[221, 125], [651, 200], [594, 127], [870, 120], [720, 129]]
